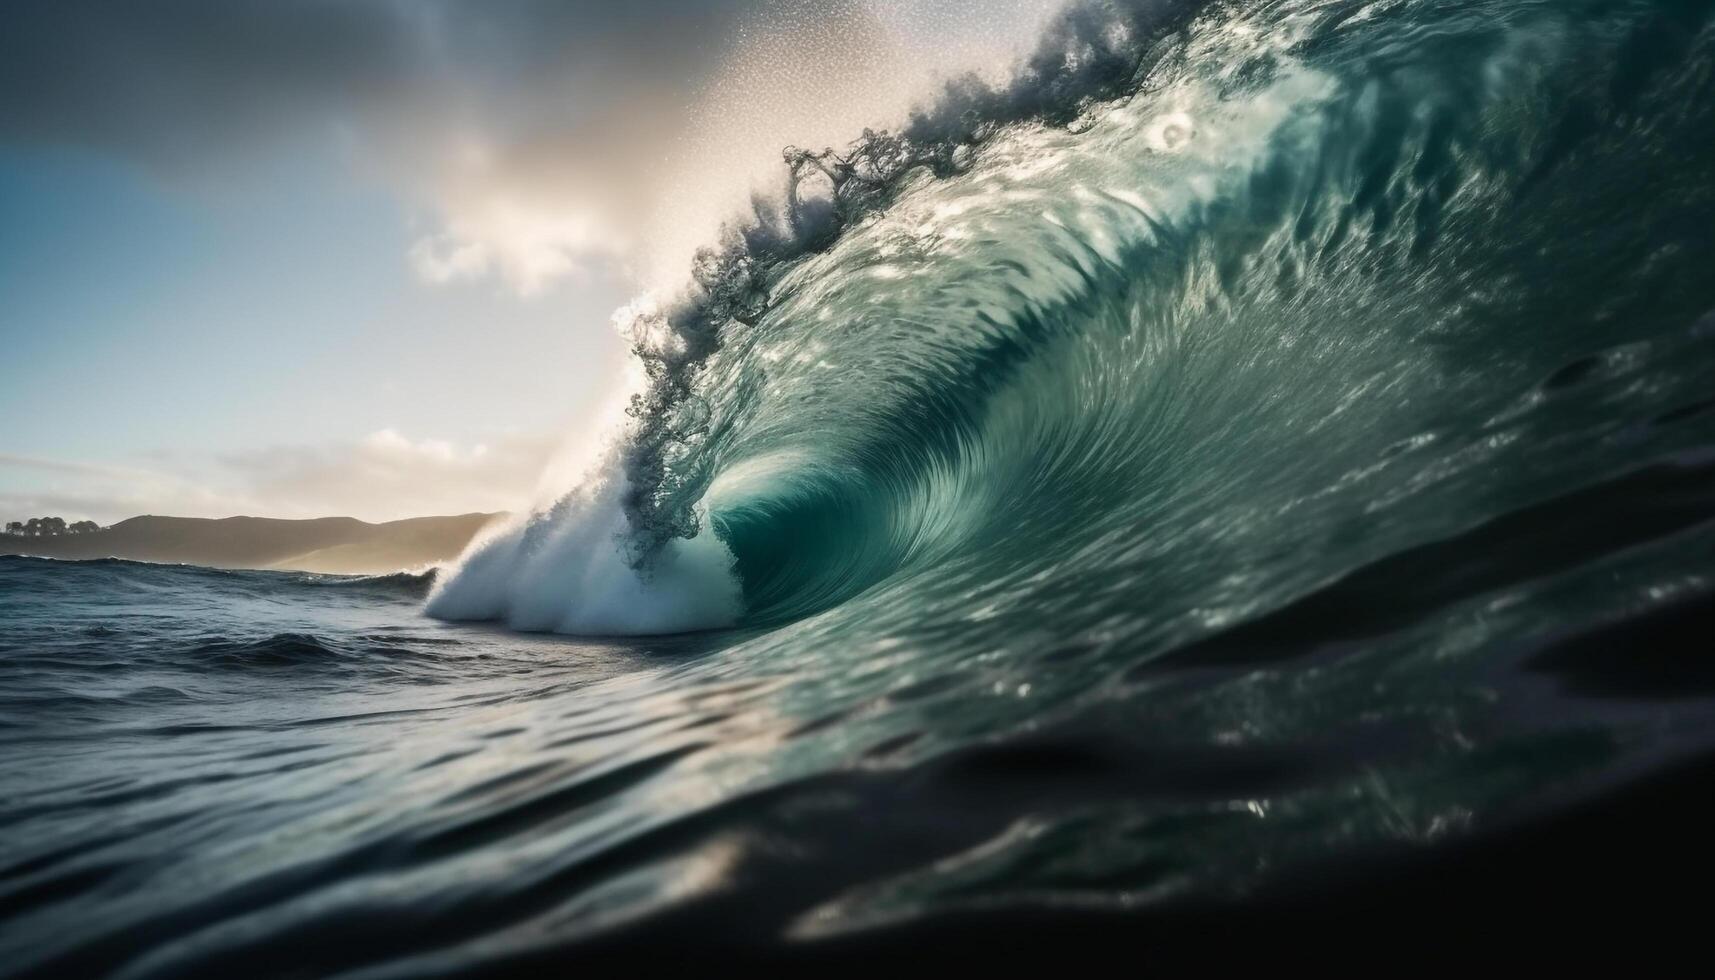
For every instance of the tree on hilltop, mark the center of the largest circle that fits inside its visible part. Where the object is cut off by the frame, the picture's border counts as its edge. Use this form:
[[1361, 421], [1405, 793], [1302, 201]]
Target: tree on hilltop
[[44, 527]]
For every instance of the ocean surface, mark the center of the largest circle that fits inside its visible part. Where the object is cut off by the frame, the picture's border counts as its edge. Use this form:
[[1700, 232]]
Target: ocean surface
[[1258, 463]]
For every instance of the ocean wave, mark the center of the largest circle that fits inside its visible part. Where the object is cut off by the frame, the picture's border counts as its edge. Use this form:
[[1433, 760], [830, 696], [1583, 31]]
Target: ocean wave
[[1200, 277]]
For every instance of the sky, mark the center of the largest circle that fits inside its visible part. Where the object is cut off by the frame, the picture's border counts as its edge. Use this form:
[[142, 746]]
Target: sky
[[360, 256]]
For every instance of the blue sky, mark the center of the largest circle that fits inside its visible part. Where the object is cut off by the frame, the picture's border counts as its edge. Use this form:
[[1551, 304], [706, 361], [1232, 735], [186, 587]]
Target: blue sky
[[158, 327], [359, 257]]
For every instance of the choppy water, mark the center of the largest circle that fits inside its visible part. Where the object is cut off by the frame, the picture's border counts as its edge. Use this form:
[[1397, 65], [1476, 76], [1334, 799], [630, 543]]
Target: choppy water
[[1287, 444]]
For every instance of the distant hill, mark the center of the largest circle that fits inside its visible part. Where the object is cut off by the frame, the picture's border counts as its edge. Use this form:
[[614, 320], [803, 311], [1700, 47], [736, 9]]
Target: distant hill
[[338, 545]]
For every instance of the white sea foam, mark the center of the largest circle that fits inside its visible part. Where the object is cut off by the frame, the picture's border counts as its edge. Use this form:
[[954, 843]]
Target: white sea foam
[[564, 570]]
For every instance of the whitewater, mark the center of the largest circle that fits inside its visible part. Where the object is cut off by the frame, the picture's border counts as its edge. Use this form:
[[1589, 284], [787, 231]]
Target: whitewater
[[1252, 467]]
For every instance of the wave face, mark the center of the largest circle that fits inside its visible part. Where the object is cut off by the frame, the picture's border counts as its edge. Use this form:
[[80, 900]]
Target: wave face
[[1207, 306]]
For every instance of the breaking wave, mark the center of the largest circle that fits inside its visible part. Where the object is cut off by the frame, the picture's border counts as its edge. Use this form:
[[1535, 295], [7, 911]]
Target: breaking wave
[[1202, 283]]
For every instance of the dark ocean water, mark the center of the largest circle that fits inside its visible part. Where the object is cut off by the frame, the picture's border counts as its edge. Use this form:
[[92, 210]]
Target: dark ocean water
[[1256, 472]]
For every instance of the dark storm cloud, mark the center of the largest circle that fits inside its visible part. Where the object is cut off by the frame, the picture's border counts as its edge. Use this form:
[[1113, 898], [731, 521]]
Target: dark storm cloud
[[171, 81], [164, 81], [536, 136], [523, 127]]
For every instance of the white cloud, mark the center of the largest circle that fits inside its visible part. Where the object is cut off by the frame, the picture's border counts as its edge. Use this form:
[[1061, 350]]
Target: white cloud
[[444, 258], [384, 476], [529, 247]]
